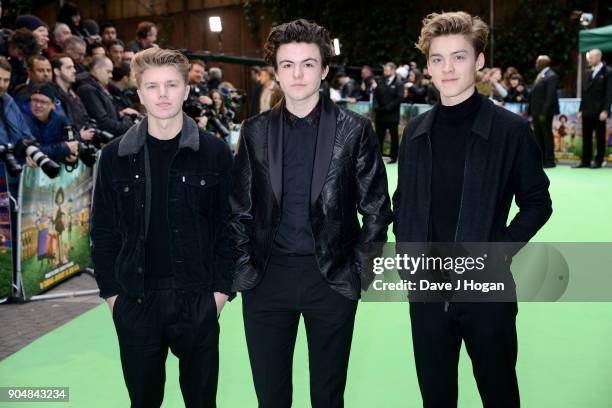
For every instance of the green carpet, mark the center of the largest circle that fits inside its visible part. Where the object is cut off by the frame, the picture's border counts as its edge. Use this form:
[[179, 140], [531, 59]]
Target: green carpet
[[564, 358]]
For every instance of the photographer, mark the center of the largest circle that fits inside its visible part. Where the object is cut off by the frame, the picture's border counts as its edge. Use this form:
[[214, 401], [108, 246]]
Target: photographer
[[122, 88], [94, 93], [21, 46], [222, 113], [13, 126], [47, 125]]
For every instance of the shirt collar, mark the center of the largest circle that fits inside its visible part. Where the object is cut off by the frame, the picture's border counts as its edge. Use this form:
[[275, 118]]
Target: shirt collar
[[310, 120]]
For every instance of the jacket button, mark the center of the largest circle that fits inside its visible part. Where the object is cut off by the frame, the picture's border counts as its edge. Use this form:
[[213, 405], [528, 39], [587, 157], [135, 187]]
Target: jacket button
[[126, 189], [139, 270], [139, 300], [202, 182]]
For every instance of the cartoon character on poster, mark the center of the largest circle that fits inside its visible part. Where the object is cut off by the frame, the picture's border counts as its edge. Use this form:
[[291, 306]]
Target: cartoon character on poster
[[43, 226], [59, 223]]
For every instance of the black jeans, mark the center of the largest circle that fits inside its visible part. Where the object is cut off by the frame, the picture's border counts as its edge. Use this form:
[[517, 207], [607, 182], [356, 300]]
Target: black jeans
[[294, 286], [381, 131], [588, 125], [185, 322], [489, 333]]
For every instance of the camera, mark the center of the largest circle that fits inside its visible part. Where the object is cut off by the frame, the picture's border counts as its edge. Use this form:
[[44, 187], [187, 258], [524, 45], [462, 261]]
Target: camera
[[86, 151], [6, 155], [137, 118], [29, 148], [101, 137], [198, 110]]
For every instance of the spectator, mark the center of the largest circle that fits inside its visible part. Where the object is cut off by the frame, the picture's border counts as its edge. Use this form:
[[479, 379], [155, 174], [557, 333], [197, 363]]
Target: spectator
[[75, 48], [365, 87], [37, 27], [70, 14], [92, 31], [128, 55], [97, 50], [121, 88], [94, 93], [198, 89], [255, 90], [47, 125], [517, 92], [114, 51], [108, 32], [146, 36], [508, 73], [221, 112], [21, 46], [39, 72], [61, 32], [497, 91], [13, 126], [215, 76], [414, 91], [388, 94], [270, 91], [348, 89], [64, 74]]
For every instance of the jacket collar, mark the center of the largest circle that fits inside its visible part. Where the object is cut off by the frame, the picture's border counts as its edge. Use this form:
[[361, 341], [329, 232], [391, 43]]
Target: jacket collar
[[482, 125], [323, 153], [134, 139]]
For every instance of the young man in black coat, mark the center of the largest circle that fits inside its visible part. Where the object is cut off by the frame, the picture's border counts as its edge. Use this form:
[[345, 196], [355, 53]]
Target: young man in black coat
[[304, 170], [460, 166], [159, 239]]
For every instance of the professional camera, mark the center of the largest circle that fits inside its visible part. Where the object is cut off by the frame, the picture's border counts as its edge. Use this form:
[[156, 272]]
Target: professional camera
[[86, 150], [6, 155], [101, 137], [198, 110], [29, 148], [234, 98], [137, 118]]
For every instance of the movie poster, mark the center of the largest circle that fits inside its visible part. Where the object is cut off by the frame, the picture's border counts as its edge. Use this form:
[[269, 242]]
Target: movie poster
[[54, 227], [6, 244]]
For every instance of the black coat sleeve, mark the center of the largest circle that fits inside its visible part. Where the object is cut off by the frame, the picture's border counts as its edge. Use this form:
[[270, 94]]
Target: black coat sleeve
[[105, 237]]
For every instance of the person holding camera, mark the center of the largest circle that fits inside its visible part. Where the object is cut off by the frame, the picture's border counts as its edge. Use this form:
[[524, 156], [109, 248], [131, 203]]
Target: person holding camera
[[222, 113], [94, 93], [47, 125]]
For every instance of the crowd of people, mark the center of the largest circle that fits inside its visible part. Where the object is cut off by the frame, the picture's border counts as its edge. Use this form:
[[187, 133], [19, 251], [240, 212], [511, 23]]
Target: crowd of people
[[69, 82], [75, 73]]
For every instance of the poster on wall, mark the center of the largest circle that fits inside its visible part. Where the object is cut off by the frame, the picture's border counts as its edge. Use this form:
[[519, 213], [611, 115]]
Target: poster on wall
[[54, 227]]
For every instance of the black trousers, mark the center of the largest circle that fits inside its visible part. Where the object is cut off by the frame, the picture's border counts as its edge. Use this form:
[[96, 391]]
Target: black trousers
[[489, 333], [183, 321], [588, 126], [542, 129], [381, 131], [293, 286]]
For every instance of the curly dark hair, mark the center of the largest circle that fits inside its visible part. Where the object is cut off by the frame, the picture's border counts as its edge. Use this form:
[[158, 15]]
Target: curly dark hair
[[298, 31], [24, 40]]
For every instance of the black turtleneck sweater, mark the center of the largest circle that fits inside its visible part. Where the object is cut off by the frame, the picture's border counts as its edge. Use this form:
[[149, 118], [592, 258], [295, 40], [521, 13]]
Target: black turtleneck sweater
[[450, 134]]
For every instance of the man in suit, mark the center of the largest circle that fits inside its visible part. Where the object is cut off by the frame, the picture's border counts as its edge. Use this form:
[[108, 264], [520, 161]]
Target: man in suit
[[543, 105], [303, 171], [388, 94], [594, 108]]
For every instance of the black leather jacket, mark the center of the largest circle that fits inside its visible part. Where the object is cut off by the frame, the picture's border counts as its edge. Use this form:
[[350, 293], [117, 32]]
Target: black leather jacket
[[348, 177]]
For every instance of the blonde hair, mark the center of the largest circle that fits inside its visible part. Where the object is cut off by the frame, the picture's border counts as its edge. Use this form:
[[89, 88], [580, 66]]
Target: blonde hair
[[458, 22], [159, 57]]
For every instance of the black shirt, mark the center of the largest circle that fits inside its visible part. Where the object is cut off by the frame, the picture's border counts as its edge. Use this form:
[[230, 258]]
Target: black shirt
[[450, 132], [294, 235], [158, 261]]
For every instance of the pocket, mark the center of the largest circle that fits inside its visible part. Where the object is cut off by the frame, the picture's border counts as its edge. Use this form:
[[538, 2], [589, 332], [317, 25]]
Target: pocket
[[199, 190], [116, 306], [125, 190]]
